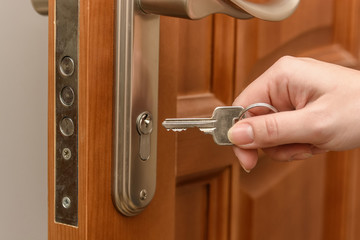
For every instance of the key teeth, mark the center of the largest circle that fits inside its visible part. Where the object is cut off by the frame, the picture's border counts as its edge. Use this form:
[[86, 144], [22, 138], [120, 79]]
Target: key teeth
[[177, 129], [207, 130], [172, 129]]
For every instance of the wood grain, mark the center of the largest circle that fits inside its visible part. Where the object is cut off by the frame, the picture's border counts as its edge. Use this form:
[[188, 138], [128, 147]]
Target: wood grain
[[341, 207], [192, 212], [283, 200], [195, 42], [223, 58], [346, 26], [201, 204]]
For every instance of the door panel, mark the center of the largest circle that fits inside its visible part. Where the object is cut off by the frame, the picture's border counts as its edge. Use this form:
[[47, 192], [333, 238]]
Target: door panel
[[277, 200], [202, 192], [324, 30]]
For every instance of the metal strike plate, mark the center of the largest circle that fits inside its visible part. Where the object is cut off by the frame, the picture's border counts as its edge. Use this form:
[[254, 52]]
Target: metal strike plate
[[66, 112], [136, 92]]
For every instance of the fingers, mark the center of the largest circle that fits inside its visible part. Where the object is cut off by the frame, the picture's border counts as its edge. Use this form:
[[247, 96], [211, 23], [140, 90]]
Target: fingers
[[292, 85], [290, 152], [287, 85], [272, 86], [273, 130], [247, 158], [293, 152]]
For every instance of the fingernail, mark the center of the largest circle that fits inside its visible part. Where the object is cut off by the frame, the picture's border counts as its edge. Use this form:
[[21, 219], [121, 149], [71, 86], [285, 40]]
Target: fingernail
[[301, 156], [246, 170], [241, 134]]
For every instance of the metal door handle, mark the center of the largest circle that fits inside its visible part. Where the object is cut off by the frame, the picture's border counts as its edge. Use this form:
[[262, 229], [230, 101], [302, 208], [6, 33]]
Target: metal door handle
[[274, 10], [40, 6]]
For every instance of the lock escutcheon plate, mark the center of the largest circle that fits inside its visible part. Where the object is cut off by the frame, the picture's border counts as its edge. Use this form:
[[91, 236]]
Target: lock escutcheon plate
[[136, 91]]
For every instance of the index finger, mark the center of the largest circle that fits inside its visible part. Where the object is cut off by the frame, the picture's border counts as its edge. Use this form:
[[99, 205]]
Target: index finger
[[271, 87]]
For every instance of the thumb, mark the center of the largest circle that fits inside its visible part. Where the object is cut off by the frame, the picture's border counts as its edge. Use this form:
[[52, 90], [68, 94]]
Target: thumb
[[272, 130]]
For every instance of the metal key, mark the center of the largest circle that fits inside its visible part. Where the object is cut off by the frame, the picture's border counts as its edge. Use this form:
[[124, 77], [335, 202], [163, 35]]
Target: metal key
[[218, 125]]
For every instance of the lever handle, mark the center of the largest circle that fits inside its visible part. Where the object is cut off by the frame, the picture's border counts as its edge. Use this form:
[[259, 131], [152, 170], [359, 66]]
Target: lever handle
[[40, 6], [274, 10]]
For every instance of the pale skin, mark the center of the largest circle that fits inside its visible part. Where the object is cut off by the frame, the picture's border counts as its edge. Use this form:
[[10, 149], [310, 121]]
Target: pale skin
[[319, 111]]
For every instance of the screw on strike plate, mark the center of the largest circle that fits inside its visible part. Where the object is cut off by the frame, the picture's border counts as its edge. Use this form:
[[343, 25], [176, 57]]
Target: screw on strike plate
[[66, 202], [67, 66], [66, 153]]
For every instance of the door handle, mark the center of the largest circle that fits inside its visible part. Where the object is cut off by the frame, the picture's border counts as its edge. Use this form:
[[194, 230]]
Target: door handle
[[40, 6], [274, 10], [136, 85]]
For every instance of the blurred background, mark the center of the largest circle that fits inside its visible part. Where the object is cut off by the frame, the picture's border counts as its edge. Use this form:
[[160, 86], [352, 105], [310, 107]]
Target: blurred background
[[23, 122]]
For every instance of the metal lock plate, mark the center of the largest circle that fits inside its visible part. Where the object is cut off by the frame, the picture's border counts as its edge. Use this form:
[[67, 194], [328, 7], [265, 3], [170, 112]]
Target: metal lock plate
[[66, 112]]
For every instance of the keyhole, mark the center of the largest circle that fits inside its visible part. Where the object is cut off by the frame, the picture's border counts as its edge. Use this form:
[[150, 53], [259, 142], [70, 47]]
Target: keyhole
[[144, 125]]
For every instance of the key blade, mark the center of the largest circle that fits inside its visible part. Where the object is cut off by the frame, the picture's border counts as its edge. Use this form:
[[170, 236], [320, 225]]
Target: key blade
[[179, 124]]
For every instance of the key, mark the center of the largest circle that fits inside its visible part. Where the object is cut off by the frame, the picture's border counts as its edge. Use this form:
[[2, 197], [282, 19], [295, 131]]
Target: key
[[218, 125]]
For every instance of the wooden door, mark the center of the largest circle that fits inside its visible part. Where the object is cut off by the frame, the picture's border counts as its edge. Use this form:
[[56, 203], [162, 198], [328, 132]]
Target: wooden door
[[202, 192]]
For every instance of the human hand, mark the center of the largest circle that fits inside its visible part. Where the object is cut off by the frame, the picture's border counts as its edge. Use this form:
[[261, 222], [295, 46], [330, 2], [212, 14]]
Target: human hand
[[319, 111]]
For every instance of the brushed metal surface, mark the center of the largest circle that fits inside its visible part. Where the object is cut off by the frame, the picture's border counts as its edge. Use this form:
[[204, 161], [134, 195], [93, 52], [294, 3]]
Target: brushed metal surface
[[66, 112], [40, 6], [136, 91], [273, 10]]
